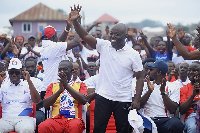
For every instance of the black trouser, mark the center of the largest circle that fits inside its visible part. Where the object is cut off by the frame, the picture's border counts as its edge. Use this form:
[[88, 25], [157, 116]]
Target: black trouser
[[103, 111], [168, 125]]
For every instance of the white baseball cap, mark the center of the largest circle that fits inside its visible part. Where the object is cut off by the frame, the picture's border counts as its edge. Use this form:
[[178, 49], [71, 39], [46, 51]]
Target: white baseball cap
[[15, 63]]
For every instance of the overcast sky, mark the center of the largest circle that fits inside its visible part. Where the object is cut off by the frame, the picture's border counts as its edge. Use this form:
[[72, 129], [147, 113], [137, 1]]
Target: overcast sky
[[174, 11]]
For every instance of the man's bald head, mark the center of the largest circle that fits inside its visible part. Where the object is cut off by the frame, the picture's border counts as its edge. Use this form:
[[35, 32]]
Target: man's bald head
[[120, 27]]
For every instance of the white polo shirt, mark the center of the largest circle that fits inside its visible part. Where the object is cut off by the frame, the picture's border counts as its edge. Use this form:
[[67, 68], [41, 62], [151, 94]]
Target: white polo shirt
[[52, 54], [155, 104], [116, 71], [15, 100]]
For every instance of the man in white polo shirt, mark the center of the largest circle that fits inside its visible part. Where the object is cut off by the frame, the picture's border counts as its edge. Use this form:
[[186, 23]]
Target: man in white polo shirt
[[119, 62], [160, 99], [16, 99], [54, 52]]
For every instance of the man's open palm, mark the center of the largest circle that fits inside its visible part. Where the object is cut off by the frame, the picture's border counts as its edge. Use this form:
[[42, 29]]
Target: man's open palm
[[74, 14], [171, 31]]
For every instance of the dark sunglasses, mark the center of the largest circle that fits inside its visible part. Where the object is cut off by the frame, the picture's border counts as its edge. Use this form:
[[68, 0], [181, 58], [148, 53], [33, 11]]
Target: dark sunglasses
[[12, 72]]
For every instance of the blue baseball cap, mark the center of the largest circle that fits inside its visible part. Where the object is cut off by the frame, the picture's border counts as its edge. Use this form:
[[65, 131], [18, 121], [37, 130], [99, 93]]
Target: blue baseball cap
[[161, 65]]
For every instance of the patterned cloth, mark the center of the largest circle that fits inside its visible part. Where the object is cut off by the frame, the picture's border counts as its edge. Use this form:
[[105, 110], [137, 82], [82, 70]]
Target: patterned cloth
[[67, 103]]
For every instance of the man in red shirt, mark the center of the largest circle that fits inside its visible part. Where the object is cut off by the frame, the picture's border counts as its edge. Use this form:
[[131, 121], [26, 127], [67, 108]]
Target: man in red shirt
[[188, 95]]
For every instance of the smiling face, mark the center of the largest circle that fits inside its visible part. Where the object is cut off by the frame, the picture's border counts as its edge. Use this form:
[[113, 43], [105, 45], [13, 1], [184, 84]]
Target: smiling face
[[118, 35], [20, 41], [161, 47]]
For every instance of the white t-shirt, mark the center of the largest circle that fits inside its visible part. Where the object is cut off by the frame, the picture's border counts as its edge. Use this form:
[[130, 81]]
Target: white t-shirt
[[116, 71], [52, 54], [87, 53], [179, 59], [15, 100], [92, 82], [155, 104], [38, 84], [31, 54]]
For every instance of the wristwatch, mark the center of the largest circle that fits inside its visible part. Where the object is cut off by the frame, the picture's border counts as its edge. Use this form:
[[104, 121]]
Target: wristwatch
[[67, 30], [163, 93]]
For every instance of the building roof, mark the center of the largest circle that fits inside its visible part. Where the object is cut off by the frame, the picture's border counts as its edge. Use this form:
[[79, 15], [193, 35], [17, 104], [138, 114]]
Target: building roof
[[106, 18], [39, 12]]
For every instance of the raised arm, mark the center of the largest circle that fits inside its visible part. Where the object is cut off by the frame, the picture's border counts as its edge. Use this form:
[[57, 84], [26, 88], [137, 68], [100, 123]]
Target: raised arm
[[34, 93], [64, 35], [74, 15], [94, 25], [146, 43], [6, 48], [194, 55], [169, 104], [73, 43], [185, 106], [169, 47], [146, 96]]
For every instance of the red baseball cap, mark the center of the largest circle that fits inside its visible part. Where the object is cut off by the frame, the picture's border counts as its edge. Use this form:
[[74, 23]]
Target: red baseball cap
[[48, 31]]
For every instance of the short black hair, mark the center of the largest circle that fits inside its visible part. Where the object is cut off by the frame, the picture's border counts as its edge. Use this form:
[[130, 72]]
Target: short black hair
[[67, 62], [171, 62], [160, 37], [31, 59]]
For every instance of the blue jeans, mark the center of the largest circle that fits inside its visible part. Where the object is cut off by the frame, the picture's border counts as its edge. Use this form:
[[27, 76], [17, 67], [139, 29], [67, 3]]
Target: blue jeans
[[190, 126]]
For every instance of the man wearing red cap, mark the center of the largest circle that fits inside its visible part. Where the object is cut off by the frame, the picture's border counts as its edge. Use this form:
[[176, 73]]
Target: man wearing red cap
[[54, 51]]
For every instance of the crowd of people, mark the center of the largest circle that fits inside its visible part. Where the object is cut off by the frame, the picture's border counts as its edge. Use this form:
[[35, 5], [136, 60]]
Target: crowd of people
[[83, 78]]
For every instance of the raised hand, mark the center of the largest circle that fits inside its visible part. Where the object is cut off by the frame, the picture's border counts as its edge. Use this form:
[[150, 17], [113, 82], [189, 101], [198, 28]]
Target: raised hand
[[196, 89], [26, 75], [97, 24], [74, 14], [2, 76], [181, 33], [171, 32], [15, 50], [163, 84], [12, 40], [28, 46], [149, 84], [142, 35], [63, 78]]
